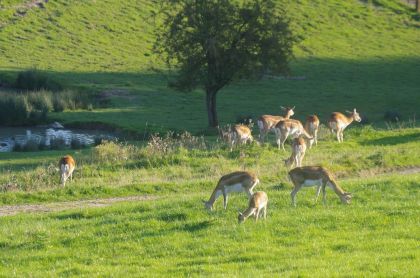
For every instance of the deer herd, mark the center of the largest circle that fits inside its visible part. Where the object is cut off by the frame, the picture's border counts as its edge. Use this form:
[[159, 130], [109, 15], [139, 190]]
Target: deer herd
[[301, 176], [244, 181]]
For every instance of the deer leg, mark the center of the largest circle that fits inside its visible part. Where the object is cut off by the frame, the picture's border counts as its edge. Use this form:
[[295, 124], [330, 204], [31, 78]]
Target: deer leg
[[342, 135], [293, 194], [283, 139], [316, 137], [318, 191], [265, 212], [324, 194], [257, 214], [225, 199]]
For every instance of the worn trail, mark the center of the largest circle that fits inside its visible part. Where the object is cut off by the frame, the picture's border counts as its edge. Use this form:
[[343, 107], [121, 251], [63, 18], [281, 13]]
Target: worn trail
[[60, 206]]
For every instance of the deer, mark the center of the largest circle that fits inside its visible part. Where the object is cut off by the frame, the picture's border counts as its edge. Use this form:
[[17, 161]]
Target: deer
[[266, 123], [311, 127], [240, 134], [308, 176], [338, 122], [257, 205], [66, 166], [240, 181], [292, 127], [298, 152]]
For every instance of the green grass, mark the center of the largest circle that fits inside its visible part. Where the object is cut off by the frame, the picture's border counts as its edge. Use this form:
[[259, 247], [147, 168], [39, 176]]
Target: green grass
[[352, 54], [376, 235], [366, 152], [362, 54]]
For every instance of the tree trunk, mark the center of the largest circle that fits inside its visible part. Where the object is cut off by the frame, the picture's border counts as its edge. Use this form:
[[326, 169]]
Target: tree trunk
[[418, 6], [211, 108]]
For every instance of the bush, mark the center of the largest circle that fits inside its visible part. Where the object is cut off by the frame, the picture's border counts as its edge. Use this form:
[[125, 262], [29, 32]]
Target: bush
[[113, 151], [35, 80]]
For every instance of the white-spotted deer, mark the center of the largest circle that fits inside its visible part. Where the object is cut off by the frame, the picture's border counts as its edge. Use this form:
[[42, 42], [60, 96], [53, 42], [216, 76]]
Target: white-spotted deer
[[266, 123], [311, 126], [298, 152], [66, 165], [241, 134], [338, 122], [241, 181], [316, 176], [257, 205], [288, 127]]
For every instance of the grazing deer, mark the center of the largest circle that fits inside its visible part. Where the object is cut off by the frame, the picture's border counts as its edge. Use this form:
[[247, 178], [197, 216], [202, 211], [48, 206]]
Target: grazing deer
[[288, 127], [66, 165], [266, 123], [298, 152], [240, 181], [311, 126], [316, 176], [338, 122], [257, 205], [241, 134]]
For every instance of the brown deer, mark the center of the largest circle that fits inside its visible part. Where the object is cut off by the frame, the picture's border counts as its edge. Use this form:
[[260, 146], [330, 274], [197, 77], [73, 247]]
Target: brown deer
[[266, 123], [66, 165], [298, 152], [241, 181], [311, 127], [338, 122], [308, 176], [288, 127], [257, 205]]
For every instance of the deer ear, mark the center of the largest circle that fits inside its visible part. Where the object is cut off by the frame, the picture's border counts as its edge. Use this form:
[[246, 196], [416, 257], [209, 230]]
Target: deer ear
[[293, 108], [347, 111], [282, 107], [354, 109], [240, 213]]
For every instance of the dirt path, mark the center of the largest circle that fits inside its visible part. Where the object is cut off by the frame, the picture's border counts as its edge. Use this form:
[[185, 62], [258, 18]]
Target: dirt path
[[59, 206]]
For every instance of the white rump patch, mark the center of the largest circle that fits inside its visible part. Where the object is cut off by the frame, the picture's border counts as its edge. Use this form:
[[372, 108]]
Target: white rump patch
[[309, 183]]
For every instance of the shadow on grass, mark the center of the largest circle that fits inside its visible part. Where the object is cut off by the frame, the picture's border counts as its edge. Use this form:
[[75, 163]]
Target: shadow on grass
[[393, 140], [329, 85]]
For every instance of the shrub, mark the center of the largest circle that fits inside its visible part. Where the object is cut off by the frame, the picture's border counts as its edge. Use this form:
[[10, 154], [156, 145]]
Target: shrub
[[113, 151], [35, 80]]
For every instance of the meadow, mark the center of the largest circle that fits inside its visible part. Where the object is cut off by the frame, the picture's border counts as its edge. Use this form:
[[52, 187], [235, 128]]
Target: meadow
[[361, 54]]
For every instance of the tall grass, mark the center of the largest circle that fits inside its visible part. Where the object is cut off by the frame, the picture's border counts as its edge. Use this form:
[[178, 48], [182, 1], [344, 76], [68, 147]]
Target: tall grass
[[32, 107]]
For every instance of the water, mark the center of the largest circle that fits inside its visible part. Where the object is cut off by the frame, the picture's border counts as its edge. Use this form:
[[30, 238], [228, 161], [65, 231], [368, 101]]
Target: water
[[19, 137]]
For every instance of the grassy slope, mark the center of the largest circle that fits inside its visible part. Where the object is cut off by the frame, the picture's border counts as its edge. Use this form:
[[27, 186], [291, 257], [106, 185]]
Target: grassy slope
[[366, 54], [352, 54]]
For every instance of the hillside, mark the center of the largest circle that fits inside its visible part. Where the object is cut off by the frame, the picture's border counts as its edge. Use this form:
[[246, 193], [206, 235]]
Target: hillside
[[352, 54]]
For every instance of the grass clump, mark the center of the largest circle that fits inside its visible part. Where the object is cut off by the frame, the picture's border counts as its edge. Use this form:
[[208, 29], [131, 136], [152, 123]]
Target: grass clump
[[34, 79]]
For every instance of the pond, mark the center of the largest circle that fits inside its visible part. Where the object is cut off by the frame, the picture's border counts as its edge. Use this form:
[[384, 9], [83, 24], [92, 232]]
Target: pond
[[48, 137]]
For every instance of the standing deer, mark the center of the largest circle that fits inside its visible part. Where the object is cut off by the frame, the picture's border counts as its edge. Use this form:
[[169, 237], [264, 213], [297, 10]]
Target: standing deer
[[311, 126], [308, 176], [66, 165], [257, 205], [266, 123], [288, 127], [298, 152], [240, 181], [338, 122]]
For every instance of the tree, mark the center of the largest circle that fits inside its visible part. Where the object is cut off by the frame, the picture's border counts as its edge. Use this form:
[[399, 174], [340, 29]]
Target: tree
[[418, 6], [211, 43]]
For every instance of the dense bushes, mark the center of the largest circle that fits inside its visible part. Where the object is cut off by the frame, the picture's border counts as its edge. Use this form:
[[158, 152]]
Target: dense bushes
[[32, 107]]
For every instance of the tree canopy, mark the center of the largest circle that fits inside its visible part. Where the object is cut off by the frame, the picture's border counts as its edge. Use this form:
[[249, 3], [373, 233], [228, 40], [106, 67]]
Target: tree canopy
[[211, 43]]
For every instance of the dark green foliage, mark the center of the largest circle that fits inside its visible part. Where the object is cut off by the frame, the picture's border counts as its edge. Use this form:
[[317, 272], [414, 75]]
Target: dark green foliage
[[212, 43], [35, 80]]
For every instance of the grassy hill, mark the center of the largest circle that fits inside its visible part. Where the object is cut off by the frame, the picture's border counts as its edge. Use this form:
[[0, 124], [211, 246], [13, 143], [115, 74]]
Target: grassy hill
[[353, 54], [362, 54]]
